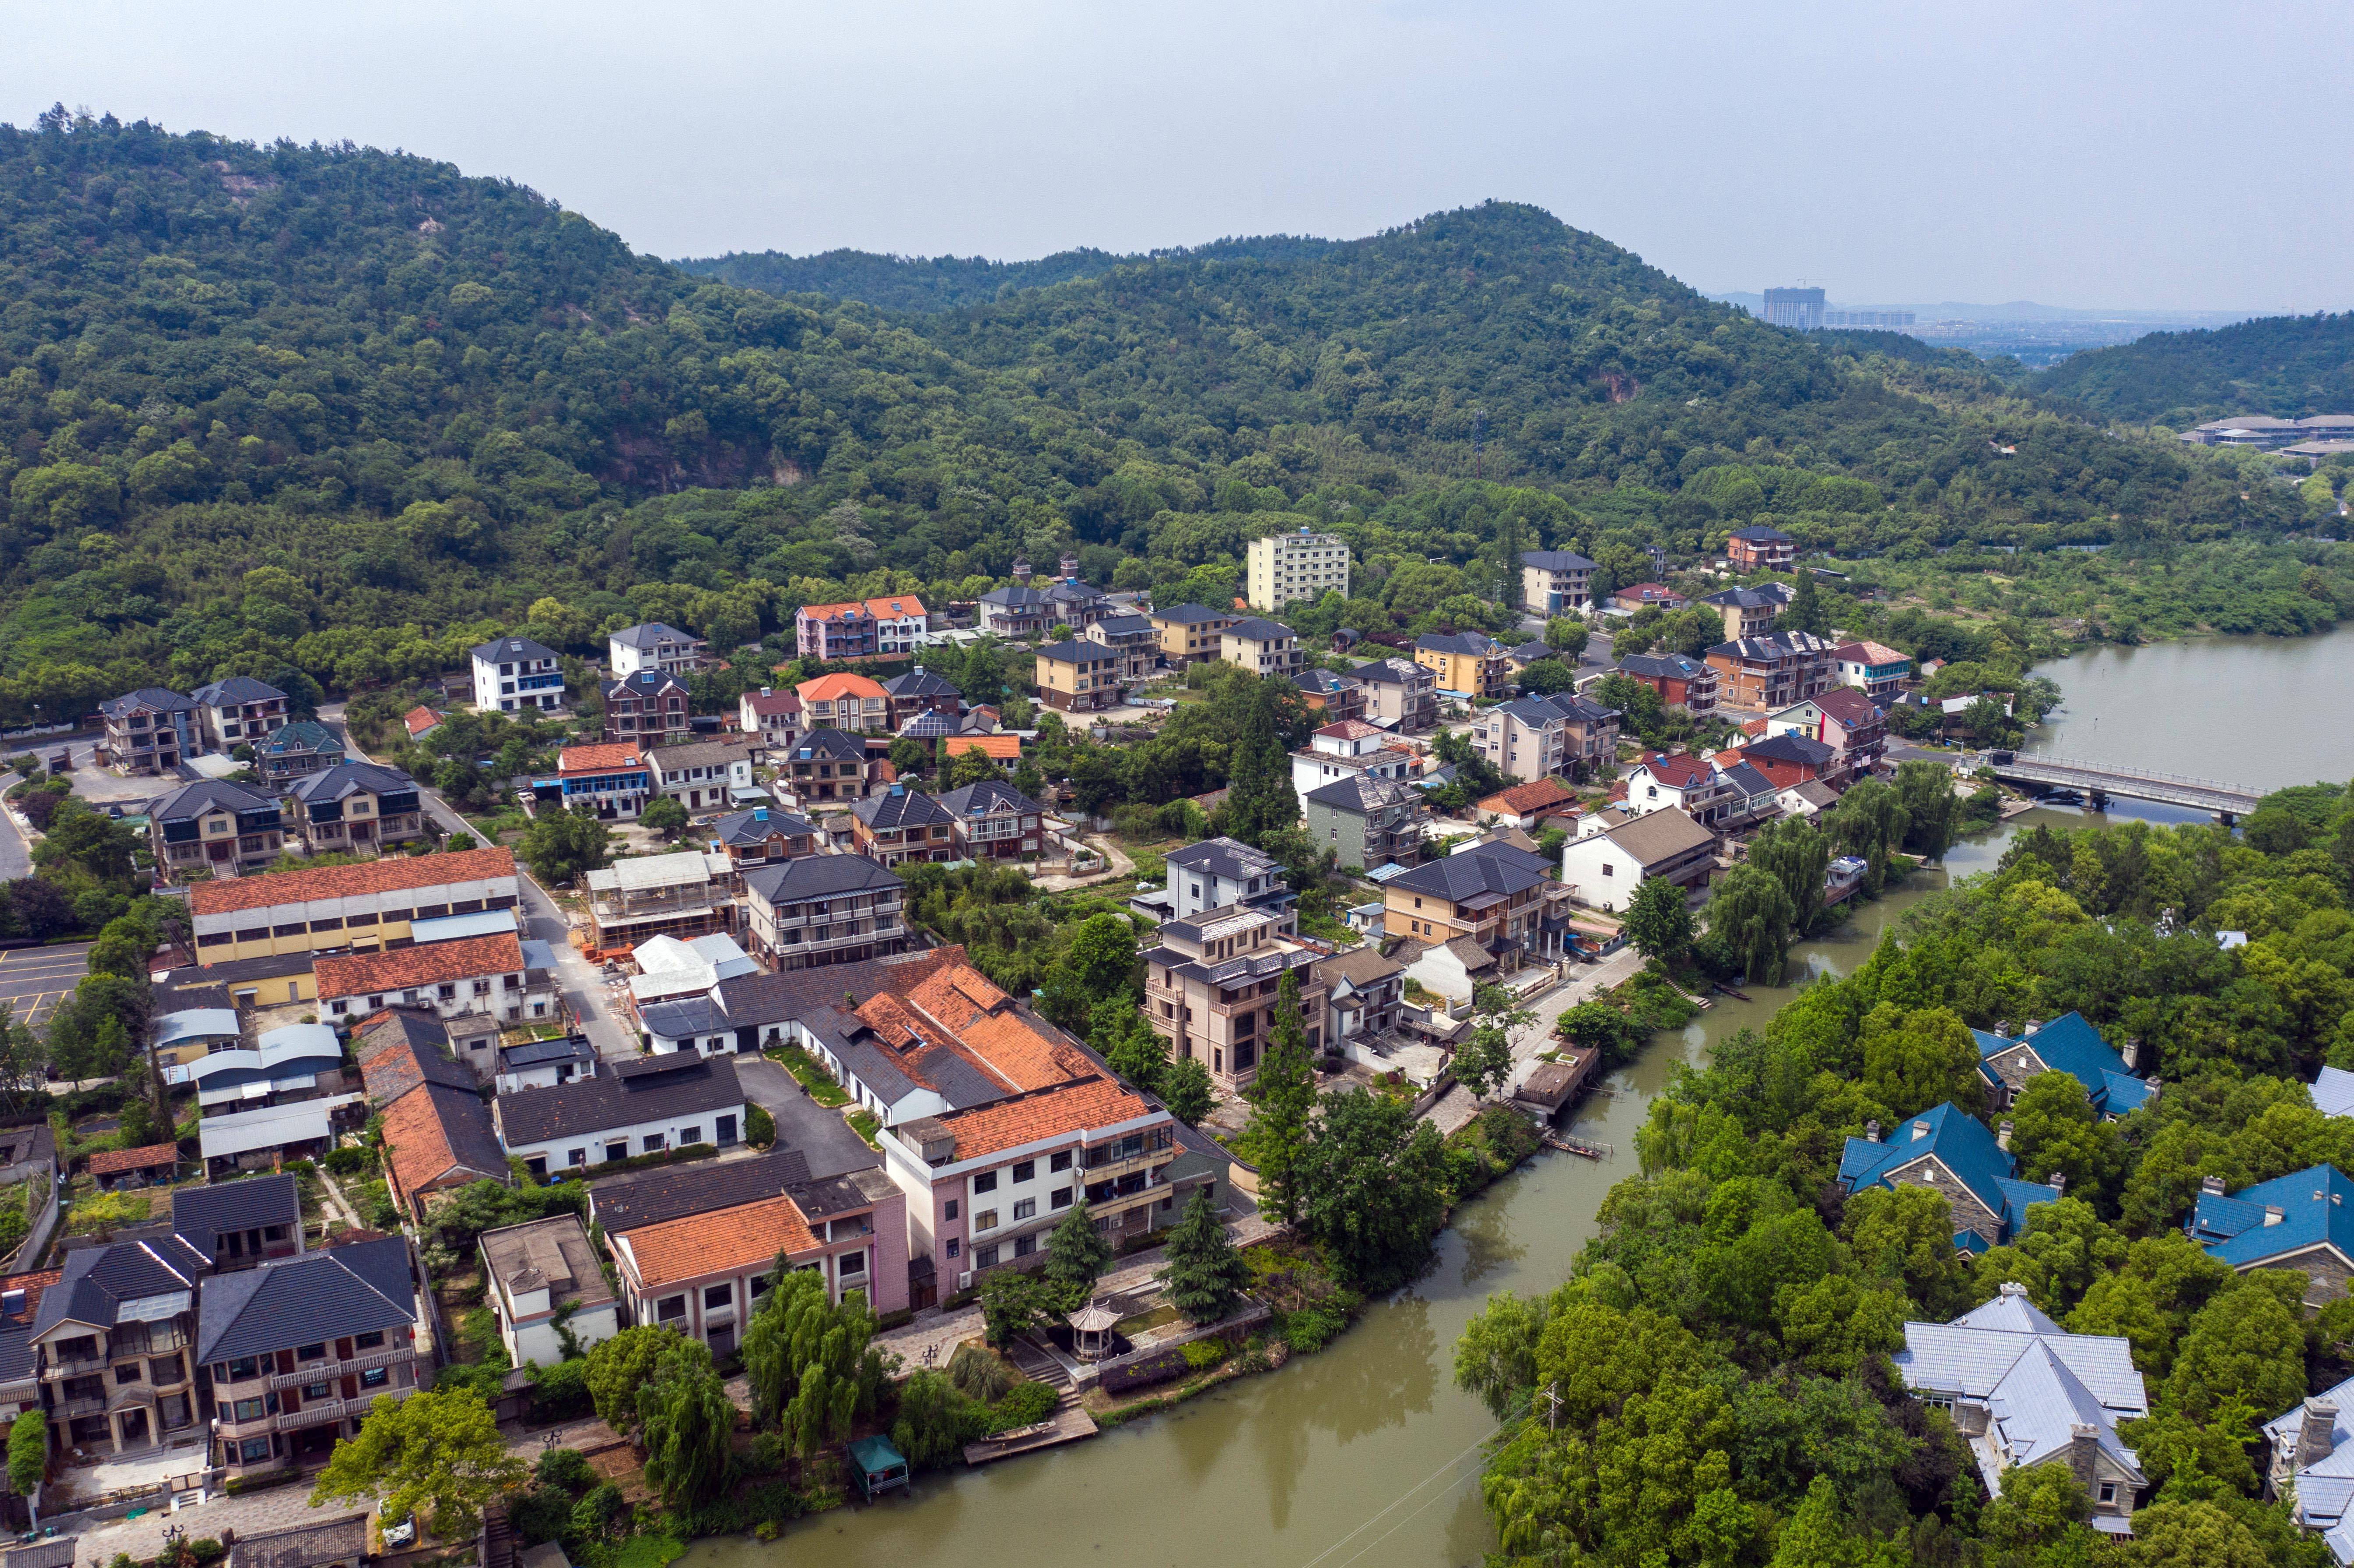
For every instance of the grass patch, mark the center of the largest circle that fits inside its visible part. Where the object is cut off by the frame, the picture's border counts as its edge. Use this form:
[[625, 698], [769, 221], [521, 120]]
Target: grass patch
[[866, 1124], [812, 1074], [98, 1211]]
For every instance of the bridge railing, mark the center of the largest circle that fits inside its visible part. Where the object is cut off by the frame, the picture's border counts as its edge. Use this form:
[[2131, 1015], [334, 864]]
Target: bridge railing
[[2140, 775]]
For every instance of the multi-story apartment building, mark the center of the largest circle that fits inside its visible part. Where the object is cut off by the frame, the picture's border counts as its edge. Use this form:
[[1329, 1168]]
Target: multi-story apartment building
[[685, 894], [1189, 633], [1556, 582], [1132, 639], [1749, 611], [1471, 663], [1772, 670], [828, 764], [355, 808], [845, 702], [704, 774], [1492, 893], [902, 825], [1369, 822], [1681, 680], [993, 821], [299, 1348], [1872, 668], [825, 909], [1216, 872], [516, 674], [773, 716], [640, 1106], [1079, 676], [1348, 749], [329, 909], [609, 778], [1399, 694], [861, 629], [239, 711], [151, 730], [762, 835], [1210, 989], [1283, 568], [920, 691], [293, 749], [1528, 738], [1262, 647], [653, 646], [1761, 550], [649, 706], [214, 827], [478, 977]]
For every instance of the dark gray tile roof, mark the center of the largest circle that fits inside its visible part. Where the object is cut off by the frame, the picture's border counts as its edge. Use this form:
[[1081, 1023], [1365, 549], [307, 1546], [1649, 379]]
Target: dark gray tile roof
[[1254, 629], [644, 684], [1361, 793], [828, 746], [920, 683], [303, 1546], [1556, 561], [208, 795], [1223, 857], [696, 1189], [652, 1088], [360, 1288], [199, 1215], [1790, 748], [96, 1280], [817, 876], [155, 699], [1120, 626], [347, 778], [540, 1053], [1395, 673], [1191, 614], [976, 799], [753, 826], [651, 634], [1490, 868], [235, 690], [1674, 665], [507, 650], [1478, 644], [899, 807]]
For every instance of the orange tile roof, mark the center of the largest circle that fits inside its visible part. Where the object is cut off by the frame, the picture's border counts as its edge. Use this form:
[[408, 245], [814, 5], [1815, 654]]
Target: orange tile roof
[[890, 608], [826, 688], [467, 958], [1533, 796], [108, 1161], [419, 719], [417, 1140], [1085, 1106], [999, 748], [1869, 653], [601, 758], [724, 1241], [391, 874]]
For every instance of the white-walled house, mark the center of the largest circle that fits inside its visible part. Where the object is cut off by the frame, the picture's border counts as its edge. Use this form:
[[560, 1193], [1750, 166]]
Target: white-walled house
[[653, 646], [1603, 867], [645, 1107], [536, 1272], [516, 674]]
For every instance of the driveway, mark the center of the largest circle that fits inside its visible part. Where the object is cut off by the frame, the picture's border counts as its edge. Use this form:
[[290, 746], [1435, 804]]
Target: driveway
[[33, 980], [824, 1140], [15, 857]]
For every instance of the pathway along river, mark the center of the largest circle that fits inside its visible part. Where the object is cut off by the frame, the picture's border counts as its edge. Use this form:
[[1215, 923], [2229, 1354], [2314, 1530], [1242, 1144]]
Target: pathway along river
[[1365, 1452]]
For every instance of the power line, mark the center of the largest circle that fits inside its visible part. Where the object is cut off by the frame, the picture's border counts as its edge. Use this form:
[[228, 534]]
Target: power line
[[1369, 1523]]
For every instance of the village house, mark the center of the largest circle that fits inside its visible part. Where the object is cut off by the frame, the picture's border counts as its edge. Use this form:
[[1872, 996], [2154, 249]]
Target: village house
[[1369, 822], [608, 778], [150, 730], [1466, 663], [1954, 1155], [1749, 611], [706, 775], [355, 808], [2067, 1044], [1772, 670], [1134, 640], [649, 706], [515, 674], [762, 836], [239, 711], [902, 825], [774, 716], [2310, 1461], [1400, 695], [1531, 805], [111, 1344], [860, 629], [824, 909], [420, 721], [918, 691], [294, 749], [542, 1276], [489, 976], [1530, 737], [1005, 750], [683, 895], [653, 646], [1333, 696], [828, 764], [1079, 676], [1760, 549], [1263, 647], [214, 827], [1348, 749], [2022, 1391], [361, 907], [1842, 718], [644, 1107], [437, 1135], [1492, 895], [704, 1274], [1534, 652], [1555, 582], [1872, 668], [1785, 761], [1692, 784], [2295, 1224], [1189, 633], [1215, 873], [1648, 595], [1021, 610], [543, 1064], [1681, 680], [845, 702], [1754, 799], [1603, 867], [993, 821], [1364, 994], [1210, 989]]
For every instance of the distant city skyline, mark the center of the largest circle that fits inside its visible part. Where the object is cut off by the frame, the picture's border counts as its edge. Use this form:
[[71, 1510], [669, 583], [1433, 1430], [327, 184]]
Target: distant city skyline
[[2088, 155]]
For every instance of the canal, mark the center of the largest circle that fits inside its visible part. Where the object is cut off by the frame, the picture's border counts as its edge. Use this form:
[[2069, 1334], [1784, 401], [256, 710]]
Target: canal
[[1365, 1452]]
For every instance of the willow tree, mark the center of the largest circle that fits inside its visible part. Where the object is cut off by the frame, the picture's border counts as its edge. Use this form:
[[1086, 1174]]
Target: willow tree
[[1751, 916], [687, 1418], [806, 1359], [1795, 855]]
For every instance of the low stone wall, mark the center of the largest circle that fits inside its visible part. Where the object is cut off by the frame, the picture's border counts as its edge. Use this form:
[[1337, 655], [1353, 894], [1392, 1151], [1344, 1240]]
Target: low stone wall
[[44, 1224], [1157, 1340]]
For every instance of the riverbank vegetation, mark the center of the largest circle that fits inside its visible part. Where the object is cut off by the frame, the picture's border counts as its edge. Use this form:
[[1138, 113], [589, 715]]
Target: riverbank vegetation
[[1711, 1386]]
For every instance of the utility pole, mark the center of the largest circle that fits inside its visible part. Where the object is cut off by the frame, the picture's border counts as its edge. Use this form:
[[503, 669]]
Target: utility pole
[[1552, 1396]]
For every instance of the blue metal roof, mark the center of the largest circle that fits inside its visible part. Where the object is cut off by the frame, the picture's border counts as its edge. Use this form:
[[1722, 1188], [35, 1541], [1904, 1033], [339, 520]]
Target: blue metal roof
[[2068, 1044], [2240, 1230], [1963, 1146]]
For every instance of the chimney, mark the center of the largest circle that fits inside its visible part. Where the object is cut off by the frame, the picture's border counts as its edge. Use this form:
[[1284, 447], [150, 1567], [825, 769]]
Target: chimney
[[2002, 1135], [1872, 1130], [2058, 1182], [2084, 1443], [2211, 1186], [1920, 1130], [2133, 1054], [2154, 1086], [2033, 1024], [2002, 1027], [2316, 1432], [2011, 1287], [2274, 1213]]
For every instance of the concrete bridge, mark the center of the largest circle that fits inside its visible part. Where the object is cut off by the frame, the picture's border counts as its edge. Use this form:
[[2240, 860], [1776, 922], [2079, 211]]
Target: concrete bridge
[[2096, 781]]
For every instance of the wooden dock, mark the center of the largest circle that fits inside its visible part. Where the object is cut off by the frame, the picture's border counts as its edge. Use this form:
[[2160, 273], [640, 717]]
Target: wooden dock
[[1570, 1143]]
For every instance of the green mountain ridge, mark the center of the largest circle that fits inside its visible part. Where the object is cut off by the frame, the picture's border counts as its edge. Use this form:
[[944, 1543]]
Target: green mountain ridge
[[2286, 366]]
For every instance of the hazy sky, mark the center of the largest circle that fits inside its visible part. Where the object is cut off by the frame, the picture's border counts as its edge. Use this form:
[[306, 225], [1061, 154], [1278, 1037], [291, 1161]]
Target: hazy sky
[[2154, 155]]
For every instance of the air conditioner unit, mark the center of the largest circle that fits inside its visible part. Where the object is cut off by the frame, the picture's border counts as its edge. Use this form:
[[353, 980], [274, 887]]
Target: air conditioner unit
[[964, 1280]]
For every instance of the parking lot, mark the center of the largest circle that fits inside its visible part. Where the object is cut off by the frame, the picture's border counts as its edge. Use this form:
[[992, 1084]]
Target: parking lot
[[33, 980]]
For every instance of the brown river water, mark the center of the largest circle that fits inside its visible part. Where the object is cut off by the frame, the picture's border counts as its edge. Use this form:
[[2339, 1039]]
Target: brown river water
[[1366, 1453]]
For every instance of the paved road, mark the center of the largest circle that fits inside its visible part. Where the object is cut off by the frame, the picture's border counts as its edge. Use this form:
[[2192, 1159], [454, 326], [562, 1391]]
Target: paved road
[[33, 980], [820, 1133]]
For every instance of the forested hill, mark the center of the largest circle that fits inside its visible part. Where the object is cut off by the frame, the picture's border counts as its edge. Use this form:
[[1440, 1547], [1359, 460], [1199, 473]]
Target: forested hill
[[924, 283], [338, 411], [2288, 366]]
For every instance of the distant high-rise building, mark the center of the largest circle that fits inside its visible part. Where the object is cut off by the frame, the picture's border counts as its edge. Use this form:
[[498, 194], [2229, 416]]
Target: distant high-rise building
[[1798, 308]]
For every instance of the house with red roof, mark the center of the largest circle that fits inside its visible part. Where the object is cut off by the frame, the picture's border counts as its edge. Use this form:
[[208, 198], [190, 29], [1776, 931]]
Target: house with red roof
[[1531, 805], [1678, 782], [1648, 596], [1842, 718], [845, 702], [862, 628]]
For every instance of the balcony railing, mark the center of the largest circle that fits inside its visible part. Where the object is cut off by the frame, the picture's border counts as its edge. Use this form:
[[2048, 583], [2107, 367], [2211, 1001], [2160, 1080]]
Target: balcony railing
[[313, 1371]]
